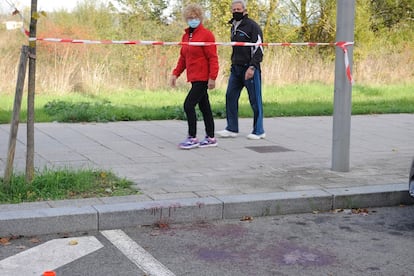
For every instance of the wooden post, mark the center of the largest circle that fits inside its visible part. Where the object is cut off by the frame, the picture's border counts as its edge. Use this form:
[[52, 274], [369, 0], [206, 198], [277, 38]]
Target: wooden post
[[16, 114], [31, 94]]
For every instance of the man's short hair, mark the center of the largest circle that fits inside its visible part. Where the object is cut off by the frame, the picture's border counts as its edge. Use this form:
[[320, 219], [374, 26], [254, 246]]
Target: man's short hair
[[239, 1]]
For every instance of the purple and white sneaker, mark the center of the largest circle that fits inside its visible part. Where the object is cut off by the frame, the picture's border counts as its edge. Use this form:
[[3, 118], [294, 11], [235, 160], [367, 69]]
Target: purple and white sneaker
[[189, 143], [208, 142]]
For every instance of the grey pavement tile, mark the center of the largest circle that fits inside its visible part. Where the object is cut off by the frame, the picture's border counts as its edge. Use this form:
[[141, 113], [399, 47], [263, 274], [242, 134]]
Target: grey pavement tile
[[61, 155], [253, 190], [294, 188], [108, 158], [174, 195], [180, 188], [81, 202], [125, 199]]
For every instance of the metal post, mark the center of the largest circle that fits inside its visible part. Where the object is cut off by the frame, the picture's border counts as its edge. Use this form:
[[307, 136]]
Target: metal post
[[343, 88]]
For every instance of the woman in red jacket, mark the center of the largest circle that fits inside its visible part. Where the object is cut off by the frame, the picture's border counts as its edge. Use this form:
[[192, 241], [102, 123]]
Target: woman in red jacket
[[201, 63]]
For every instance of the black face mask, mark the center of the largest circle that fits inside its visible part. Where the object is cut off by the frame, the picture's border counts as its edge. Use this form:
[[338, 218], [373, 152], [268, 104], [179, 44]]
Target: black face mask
[[238, 16]]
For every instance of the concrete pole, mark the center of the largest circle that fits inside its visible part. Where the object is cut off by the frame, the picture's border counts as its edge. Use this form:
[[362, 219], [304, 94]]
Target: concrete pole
[[343, 88]]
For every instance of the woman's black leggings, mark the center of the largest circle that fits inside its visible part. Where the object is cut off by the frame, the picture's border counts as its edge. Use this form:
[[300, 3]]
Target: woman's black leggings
[[198, 95]]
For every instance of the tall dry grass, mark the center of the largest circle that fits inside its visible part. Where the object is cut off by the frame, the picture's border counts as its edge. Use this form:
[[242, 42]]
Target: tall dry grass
[[64, 68]]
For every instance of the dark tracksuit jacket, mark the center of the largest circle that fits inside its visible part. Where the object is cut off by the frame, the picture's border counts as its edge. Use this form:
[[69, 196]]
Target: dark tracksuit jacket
[[247, 31]]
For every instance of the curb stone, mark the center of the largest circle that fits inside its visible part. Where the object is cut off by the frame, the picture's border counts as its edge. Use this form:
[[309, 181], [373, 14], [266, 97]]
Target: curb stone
[[68, 219]]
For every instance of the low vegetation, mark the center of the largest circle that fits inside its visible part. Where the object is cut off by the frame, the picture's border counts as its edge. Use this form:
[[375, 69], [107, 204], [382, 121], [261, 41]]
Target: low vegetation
[[288, 100], [64, 184]]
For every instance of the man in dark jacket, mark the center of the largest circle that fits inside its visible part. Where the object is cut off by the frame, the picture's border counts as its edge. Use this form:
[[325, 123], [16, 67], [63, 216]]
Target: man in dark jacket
[[245, 72]]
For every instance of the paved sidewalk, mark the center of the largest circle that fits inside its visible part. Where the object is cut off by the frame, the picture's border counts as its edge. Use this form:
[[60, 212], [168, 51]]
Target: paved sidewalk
[[289, 171]]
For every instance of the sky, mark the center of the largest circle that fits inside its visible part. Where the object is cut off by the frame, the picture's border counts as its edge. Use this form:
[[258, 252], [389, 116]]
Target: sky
[[44, 5], [50, 5]]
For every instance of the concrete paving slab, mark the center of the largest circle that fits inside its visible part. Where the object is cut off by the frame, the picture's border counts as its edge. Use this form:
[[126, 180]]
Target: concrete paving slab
[[239, 177]]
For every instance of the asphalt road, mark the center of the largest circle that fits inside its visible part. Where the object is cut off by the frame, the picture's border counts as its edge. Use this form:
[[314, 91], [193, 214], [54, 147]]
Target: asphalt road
[[378, 241]]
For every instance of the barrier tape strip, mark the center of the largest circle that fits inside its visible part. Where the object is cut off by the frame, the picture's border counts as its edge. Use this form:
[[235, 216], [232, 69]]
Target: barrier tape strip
[[342, 44], [150, 42]]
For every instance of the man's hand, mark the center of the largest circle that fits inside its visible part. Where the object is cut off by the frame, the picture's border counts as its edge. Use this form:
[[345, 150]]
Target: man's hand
[[211, 84], [249, 73]]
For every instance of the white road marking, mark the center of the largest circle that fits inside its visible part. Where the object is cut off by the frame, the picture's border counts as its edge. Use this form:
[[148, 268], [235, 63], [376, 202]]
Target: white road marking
[[138, 255], [48, 256]]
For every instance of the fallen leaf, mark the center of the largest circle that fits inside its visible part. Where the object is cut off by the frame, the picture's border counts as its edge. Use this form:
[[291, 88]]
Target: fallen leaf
[[5, 241], [34, 240], [162, 225], [246, 218], [362, 211], [73, 242]]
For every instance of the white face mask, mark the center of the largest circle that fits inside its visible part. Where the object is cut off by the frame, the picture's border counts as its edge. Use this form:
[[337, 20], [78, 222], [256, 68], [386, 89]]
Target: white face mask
[[193, 23]]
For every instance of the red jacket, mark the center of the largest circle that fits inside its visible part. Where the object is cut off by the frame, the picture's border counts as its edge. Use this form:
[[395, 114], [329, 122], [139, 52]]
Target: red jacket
[[201, 62]]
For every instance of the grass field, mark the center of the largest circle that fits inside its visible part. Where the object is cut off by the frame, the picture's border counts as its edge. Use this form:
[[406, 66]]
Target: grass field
[[289, 100]]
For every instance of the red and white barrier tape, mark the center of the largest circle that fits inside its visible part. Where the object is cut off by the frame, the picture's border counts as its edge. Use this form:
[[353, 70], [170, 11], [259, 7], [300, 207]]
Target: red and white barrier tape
[[149, 42], [342, 44]]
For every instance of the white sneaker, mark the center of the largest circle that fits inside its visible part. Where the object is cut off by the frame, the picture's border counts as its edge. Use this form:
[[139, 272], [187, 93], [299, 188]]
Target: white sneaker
[[252, 136], [226, 133]]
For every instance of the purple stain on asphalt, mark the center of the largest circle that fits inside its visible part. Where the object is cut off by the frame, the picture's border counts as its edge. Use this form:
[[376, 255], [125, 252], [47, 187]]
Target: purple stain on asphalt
[[292, 254], [282, 252], [214, 255]]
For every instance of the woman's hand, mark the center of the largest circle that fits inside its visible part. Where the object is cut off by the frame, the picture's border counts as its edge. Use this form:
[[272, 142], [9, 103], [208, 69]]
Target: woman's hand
[[211, 84], [173, 80]]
